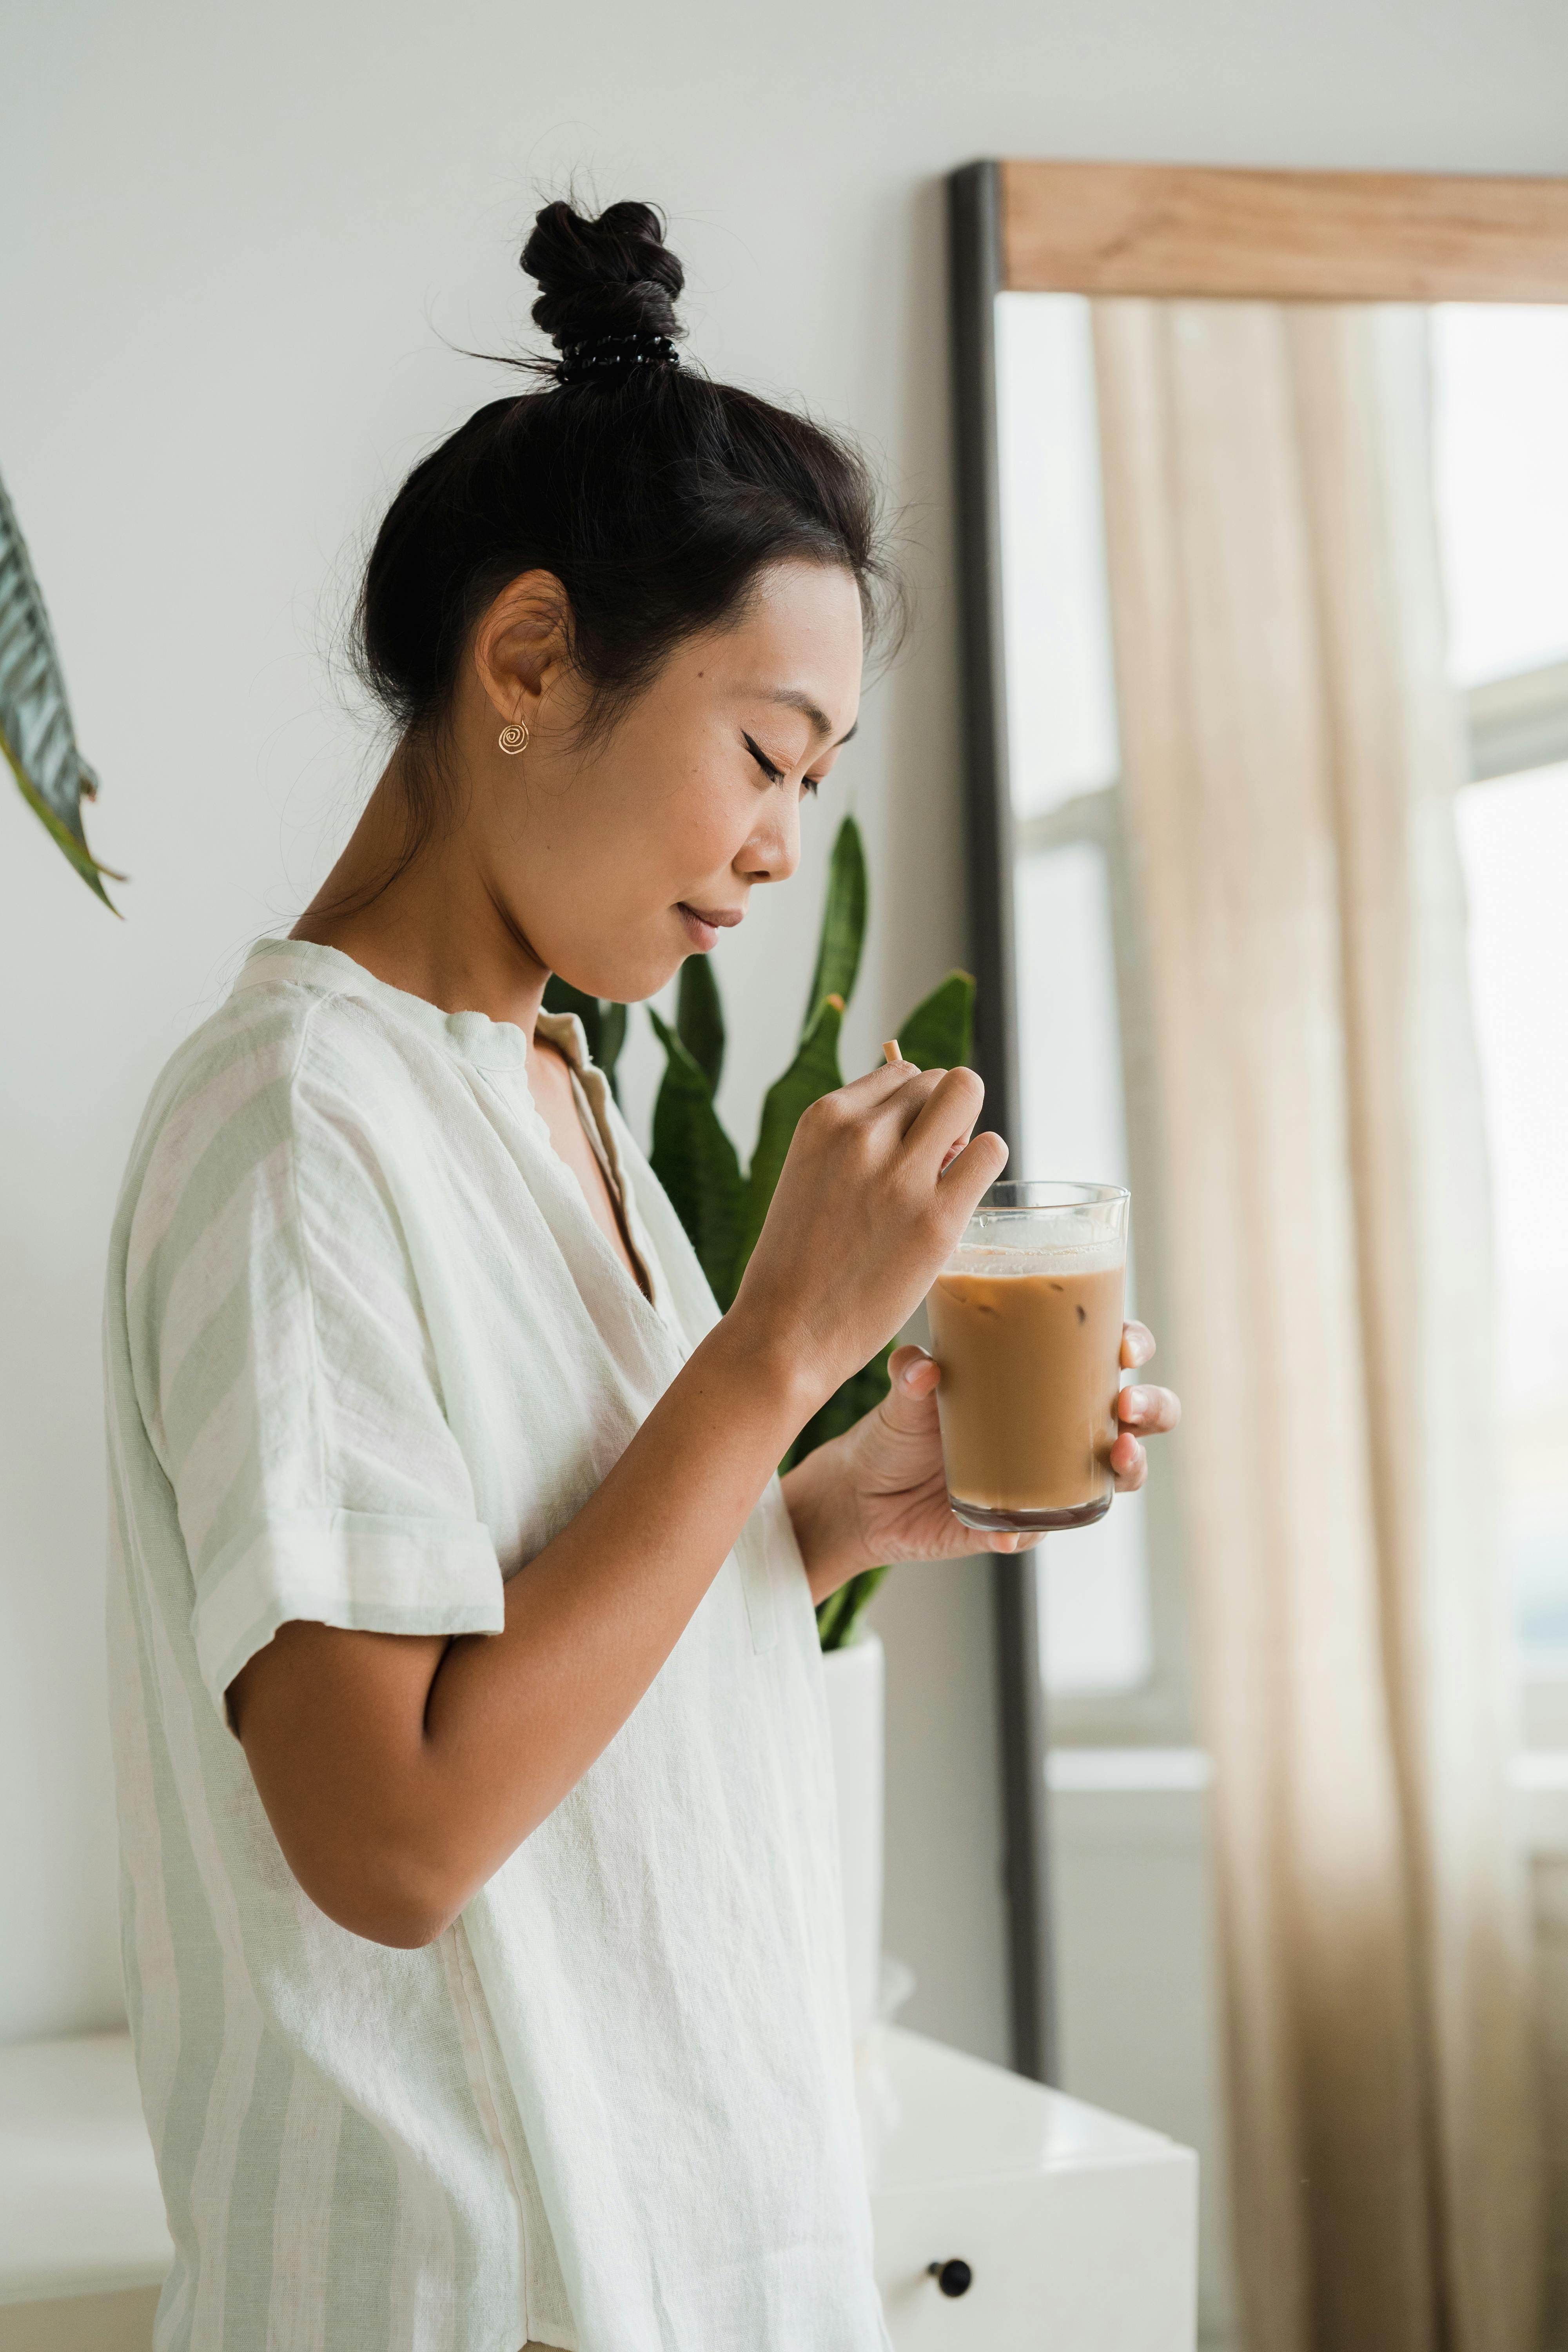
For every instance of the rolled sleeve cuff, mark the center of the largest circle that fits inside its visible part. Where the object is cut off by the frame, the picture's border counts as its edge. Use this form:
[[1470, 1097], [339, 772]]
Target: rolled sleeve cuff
[[357, 1570]]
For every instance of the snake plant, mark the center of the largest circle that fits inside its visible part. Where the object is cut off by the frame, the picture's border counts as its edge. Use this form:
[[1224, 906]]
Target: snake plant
[[36, 731], [721, 1207]]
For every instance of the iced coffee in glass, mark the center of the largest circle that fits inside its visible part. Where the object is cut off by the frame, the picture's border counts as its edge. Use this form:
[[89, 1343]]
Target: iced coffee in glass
[[1025, 1328]]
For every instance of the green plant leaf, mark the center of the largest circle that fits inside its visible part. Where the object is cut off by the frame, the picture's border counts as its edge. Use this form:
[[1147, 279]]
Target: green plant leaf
[[559, 996], [36, 732], [860, 1395], [938, 1034], [813, 1072], [839, 1615], [695, 1161], [604, 1022], [700, 1017], [612, 1037], [843, 923]]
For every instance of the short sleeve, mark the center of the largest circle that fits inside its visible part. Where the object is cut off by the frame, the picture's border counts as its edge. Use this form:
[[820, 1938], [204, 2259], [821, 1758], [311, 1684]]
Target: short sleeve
[[286, 1372]]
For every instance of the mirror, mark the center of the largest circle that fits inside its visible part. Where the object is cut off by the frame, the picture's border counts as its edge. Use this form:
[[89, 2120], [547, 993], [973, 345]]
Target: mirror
[[1264, 495]]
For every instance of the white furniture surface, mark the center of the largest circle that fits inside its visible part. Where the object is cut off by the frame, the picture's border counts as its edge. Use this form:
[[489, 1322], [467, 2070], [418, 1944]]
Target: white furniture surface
[[1080, 2230], [80, 2209]]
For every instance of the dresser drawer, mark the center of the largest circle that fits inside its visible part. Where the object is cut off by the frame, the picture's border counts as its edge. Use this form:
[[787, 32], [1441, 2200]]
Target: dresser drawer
[[1080, 2231]]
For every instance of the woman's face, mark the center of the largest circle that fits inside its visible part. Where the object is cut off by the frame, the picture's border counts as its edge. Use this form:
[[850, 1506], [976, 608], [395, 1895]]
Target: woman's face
[[616, 858]]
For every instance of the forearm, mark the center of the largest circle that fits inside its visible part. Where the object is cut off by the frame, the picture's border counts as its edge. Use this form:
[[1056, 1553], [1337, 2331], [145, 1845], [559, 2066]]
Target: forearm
[[390, 1828], [591, 1620]]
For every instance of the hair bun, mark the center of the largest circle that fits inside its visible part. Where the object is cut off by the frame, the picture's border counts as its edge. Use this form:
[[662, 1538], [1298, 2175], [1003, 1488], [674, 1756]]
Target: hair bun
[[610, 276]]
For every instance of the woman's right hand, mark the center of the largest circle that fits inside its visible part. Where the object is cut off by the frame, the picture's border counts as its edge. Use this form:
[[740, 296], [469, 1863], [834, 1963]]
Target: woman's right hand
[[881, 1179]]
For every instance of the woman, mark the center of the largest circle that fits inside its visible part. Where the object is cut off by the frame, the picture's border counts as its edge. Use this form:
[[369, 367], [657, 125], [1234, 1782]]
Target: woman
[[482, 1923]]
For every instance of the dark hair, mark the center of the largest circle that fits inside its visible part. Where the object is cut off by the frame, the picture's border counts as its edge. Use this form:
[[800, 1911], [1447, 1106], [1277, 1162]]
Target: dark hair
[[654, 495]]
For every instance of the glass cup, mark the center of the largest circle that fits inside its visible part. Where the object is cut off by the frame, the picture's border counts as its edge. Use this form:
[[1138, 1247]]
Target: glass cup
[[1025, 1327]]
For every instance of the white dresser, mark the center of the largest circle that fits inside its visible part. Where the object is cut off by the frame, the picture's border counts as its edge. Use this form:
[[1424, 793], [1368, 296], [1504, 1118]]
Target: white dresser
[[1078, 2233]]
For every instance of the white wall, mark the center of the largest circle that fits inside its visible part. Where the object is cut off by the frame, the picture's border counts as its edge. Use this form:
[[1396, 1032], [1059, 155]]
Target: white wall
[[238, 246]]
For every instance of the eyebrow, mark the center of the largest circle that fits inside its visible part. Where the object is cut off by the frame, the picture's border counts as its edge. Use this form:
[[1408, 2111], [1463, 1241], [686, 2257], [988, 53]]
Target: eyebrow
[[794, 700]]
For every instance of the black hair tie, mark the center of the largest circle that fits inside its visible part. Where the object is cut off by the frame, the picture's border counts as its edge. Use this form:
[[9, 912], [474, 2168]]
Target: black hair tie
[[595, 354]]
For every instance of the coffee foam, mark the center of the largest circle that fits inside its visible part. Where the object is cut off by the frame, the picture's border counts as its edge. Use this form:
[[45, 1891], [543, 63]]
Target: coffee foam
[[1002, 1264]]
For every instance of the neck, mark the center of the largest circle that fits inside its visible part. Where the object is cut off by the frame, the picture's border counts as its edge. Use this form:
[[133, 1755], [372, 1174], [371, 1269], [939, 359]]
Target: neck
[[435, 928]]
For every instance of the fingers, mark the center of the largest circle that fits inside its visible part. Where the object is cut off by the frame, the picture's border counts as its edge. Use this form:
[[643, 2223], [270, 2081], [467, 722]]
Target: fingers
[[1137, 1346], [934, 1111], [947, 1114], [973, 1171], [1150, 1411], [912, 1373], [939, 1108], [908, 1405], [879, 1085], [1025, 1542], [1129, 1463], [888, 1100]]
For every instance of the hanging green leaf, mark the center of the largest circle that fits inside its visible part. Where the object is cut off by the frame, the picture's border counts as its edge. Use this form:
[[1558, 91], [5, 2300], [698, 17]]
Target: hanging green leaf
[[843, 922], [695, 1161], [813, 1073], [938, 1034], [36, 731], [604, 1022], [700, 1017]]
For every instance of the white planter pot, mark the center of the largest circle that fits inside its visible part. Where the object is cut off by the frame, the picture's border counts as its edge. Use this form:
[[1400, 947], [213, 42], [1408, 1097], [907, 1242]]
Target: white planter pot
[[854, 1678]]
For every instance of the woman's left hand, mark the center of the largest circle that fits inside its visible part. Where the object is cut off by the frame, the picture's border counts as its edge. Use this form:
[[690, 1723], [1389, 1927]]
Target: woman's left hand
[[878, 1492]]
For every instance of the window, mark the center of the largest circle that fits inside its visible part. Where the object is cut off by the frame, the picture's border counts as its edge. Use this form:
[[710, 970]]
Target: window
[[1080, 1016], [1113, 1599], [1500, 393]]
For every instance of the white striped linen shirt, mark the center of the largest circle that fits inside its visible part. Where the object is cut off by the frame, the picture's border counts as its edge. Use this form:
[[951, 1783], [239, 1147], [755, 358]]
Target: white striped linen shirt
[[366, 1353]]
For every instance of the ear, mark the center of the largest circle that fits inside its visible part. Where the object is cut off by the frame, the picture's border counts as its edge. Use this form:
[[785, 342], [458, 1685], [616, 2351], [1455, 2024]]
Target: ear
[[521, 642]]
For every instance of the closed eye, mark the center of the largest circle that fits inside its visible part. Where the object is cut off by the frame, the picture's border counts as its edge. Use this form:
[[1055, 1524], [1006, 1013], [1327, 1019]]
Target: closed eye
[[775, 775]]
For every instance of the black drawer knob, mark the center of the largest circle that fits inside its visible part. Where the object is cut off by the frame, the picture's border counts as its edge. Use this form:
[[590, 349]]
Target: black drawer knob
[[953, 2277]]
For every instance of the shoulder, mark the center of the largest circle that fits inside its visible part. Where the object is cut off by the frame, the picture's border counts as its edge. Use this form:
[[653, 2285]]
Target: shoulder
[[284, 1075]]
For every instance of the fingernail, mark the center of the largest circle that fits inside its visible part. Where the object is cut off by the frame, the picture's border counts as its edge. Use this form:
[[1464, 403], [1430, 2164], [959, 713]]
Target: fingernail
[[1135, 1402]]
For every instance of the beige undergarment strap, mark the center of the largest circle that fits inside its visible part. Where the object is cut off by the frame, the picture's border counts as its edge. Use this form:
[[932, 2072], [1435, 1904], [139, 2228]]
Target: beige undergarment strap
[[600, 1149]]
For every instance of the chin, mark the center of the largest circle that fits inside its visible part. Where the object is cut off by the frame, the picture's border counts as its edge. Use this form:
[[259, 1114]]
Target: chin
[[626, 985]]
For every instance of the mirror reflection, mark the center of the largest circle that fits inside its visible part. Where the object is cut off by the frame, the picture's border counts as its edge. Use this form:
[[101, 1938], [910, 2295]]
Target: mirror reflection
[[1284, 599]]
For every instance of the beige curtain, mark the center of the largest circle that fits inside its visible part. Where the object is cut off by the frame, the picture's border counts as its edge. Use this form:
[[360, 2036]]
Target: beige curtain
[[1290, 752]]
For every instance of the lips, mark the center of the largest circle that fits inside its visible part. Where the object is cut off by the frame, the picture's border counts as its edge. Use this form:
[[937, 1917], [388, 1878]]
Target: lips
[[703, 924]]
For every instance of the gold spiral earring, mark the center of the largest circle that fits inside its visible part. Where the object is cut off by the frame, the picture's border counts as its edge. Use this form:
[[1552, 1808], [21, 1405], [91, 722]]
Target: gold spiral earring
[[513, 738]]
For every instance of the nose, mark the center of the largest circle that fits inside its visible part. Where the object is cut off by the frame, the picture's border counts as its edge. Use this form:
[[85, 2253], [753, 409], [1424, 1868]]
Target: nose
[[772, 853]]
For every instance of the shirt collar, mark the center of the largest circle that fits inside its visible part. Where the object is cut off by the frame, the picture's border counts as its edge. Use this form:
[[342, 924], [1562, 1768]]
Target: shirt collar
[[488, 1045]]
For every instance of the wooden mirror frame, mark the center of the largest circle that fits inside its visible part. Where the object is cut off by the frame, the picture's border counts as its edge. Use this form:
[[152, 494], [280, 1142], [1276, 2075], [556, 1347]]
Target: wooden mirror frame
[[1162, 230]]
